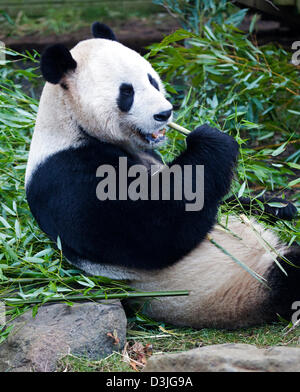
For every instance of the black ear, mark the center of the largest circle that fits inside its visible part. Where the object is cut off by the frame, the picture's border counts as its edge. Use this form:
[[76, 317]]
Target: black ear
[[56, 61], [100, 30]]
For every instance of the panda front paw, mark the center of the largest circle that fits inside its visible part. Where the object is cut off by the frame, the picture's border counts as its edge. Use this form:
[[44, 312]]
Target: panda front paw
[[285, 209], [215, 141]]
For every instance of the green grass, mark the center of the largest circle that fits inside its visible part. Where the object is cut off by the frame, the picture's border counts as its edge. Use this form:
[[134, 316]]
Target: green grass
[[185, 339], [67, 20], [112, 363], [172, 340]]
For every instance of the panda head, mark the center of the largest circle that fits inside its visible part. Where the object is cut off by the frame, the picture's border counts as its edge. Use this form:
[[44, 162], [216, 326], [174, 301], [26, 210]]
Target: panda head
[[111, 91]]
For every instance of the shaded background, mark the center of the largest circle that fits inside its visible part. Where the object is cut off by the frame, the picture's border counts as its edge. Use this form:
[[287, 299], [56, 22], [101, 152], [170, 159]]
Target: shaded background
[[34, 24]]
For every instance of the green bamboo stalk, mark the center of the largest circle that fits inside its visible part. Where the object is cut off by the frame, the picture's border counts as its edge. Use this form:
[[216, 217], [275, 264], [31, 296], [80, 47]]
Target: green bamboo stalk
[[37, 280], [16, 301]]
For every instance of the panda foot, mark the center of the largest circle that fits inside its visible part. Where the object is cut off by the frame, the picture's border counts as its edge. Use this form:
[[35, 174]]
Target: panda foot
[[274, 207], [287, 212]]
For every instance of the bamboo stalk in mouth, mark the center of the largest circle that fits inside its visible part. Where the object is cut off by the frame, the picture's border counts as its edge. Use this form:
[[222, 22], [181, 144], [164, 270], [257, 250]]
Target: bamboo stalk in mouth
[[179, 128]]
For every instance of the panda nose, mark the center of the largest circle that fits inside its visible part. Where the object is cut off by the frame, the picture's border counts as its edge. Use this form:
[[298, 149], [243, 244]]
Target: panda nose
[[162, 116]]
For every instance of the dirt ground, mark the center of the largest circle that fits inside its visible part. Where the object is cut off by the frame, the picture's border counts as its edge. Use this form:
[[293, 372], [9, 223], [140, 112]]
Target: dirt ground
[[137, 33], [134, 33]]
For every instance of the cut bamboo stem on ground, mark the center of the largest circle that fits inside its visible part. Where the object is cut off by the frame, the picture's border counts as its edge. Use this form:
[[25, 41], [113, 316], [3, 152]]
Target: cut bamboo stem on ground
[[19, 301]]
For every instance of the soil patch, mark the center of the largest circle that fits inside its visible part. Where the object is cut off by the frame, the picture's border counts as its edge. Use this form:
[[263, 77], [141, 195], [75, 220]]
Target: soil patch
[[134, 33]]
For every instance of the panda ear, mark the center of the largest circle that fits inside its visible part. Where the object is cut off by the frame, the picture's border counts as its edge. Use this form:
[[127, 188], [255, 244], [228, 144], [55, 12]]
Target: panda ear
[[100, 30], [56, 61]]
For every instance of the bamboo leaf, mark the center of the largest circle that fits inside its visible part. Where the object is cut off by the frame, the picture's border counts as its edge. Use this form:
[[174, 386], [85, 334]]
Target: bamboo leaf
[[240, 263]]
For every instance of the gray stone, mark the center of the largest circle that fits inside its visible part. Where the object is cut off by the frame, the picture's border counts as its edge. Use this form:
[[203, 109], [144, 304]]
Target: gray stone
[[228, 358], [35, 344]]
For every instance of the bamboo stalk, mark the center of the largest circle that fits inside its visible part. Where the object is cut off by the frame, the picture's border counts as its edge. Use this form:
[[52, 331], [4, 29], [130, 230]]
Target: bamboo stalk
[[37, 280], [16, 301], [179, 128], [275, 145]]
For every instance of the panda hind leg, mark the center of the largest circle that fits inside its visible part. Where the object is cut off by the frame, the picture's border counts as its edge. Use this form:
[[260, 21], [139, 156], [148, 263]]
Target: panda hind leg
[[221, 293], [285, 289]]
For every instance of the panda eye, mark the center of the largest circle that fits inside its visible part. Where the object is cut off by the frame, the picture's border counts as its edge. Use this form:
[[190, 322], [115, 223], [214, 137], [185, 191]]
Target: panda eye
[[126, 89], [153, 82], [126, 96]]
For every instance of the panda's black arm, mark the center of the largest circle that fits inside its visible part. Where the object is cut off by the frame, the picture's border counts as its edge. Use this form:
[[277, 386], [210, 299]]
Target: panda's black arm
[[217, 152]]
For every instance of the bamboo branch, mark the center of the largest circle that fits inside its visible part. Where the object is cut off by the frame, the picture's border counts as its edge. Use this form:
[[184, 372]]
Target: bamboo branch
[[179, 128], [20, 301], [275, 145]]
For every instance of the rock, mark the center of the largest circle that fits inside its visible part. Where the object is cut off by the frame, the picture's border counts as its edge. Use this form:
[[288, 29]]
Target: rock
[[35, 344], [228, 358]]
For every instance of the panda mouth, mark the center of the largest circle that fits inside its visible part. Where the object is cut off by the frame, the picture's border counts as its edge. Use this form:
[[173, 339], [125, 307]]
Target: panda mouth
[[153, 137]]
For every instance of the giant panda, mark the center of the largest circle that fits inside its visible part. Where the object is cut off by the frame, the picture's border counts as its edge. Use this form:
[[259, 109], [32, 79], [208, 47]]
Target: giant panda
[[102, 101]]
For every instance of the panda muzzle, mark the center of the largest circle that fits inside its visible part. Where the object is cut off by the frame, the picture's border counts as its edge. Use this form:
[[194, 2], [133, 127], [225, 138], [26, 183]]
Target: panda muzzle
[[154, 137]]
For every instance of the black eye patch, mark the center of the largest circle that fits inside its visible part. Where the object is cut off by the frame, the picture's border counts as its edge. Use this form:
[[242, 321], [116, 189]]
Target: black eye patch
[[153, 82], [125, 98]]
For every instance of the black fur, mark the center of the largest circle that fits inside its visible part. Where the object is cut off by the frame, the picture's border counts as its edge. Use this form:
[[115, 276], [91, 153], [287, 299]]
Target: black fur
[[284, 289], [100, 30], [64, 86], [56, 61], [288, 212], [125, 98], [149, 234], [153, 82]]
